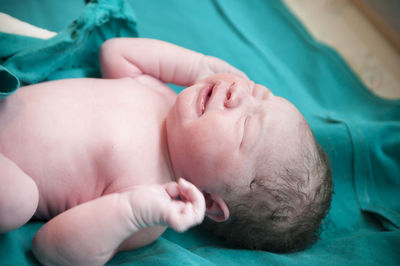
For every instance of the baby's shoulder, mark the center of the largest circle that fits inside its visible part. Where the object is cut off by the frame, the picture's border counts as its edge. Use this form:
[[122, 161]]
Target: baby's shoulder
[[154, 85]]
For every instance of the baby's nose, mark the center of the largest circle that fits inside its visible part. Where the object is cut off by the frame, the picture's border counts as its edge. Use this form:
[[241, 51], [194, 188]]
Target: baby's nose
[[233, 96]]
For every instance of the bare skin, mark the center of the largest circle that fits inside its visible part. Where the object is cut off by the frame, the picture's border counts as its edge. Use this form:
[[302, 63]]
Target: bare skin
[[100, 159], [91, 155]]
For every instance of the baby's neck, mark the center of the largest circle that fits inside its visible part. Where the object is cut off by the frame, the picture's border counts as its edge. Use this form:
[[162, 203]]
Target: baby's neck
[[166, 154]]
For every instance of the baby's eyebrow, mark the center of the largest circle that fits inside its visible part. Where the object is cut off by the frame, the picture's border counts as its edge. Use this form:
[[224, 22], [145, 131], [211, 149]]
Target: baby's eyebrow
[[258, 121], [260, 92], [263, 124], [253, 89]]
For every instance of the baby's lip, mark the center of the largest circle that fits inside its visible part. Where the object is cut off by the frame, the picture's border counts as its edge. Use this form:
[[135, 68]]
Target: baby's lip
[[201, 100]]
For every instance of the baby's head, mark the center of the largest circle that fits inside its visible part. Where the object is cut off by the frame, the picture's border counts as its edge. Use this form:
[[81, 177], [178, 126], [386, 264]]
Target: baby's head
[[266, 181]]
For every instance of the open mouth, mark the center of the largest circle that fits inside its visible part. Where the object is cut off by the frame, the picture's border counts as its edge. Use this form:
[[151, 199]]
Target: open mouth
[[204, 98]]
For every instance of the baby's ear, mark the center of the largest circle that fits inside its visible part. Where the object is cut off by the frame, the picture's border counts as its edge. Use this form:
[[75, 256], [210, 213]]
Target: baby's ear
[[216, 207]]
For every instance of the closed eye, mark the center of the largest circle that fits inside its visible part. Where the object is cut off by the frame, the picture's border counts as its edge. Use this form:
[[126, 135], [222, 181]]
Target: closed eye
[[253, 184], [245, 123]]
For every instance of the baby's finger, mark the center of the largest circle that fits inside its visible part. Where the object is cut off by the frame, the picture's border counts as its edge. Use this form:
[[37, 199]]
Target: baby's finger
[[192, 194], [242, 74], [183, 217], [172, 189]]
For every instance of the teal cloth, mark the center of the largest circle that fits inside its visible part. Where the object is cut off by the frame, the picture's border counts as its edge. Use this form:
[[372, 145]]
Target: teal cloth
[[359, 131], [73, 51], [9, 82]]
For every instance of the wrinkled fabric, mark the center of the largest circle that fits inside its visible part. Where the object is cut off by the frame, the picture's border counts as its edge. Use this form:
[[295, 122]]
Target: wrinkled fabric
[[73, 52], [359, 131], [8, 82]]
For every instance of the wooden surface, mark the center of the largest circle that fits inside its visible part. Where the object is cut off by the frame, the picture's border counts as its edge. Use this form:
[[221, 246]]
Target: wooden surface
[[340, 24], [385, 15]]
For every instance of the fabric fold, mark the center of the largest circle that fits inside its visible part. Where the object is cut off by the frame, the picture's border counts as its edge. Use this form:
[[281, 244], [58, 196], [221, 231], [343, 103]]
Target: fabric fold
[[73, 50], [8, 82]]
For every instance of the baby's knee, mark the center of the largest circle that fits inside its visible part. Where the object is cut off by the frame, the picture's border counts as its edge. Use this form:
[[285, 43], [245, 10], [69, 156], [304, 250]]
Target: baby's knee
[[18, 202]]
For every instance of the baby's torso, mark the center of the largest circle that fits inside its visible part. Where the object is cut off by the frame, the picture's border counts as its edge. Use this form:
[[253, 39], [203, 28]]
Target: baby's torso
[[83, 138]]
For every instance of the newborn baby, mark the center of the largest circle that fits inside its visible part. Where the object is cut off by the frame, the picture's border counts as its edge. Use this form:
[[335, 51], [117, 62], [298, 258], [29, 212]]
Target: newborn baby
[[101, 159]]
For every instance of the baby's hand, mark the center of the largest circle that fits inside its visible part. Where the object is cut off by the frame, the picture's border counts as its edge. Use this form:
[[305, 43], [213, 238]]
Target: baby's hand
[[210, 65], [187, 211], [179, 205]]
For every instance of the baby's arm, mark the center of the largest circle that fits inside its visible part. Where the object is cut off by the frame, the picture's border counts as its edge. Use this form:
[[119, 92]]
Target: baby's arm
[[130, 57], [91, 233], [19, 196]]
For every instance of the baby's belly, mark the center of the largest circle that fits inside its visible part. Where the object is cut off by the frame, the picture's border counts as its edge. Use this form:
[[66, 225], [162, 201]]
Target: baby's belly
[[54, 200], [63, 166], [65, 182], [65, 173]]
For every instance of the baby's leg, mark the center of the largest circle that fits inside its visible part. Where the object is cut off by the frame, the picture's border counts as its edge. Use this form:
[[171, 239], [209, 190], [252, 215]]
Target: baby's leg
[[19, 196]]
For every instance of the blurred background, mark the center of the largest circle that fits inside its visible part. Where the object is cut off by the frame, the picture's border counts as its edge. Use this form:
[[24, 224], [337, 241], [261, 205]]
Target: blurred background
[[365, 32]]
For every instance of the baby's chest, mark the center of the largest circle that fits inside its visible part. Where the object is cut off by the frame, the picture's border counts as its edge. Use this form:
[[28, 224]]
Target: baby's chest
[[124, 157], [136, 155]]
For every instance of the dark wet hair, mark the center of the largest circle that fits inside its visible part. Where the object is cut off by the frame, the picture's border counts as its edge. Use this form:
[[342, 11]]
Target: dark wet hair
[[280, 216]]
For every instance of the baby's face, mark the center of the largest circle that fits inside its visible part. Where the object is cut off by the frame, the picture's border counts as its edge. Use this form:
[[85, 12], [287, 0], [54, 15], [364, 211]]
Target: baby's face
[[229, 130]]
